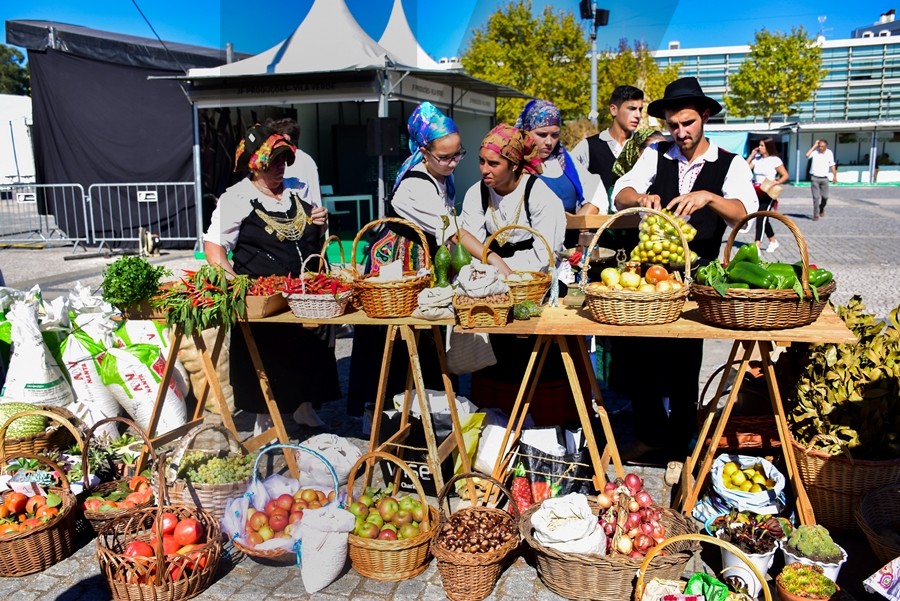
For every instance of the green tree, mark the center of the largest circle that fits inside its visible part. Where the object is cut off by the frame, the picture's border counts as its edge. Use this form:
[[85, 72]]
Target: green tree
[[13, 73], [545, 56], [781, 71]]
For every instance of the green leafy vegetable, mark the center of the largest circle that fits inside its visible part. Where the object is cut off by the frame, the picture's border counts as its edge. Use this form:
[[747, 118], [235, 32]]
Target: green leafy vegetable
[[129, 280]]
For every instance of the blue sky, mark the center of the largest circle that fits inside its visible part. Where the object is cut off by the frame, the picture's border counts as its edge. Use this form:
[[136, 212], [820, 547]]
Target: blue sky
[[443, 27]]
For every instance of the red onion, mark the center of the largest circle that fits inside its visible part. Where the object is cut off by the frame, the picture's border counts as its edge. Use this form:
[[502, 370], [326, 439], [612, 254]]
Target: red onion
[[632, 521], [643, 498], [659, 531], [643, 543], [633, 532], [609, 529], [634, 483], [647, 528], [633, 506], [604, 501], [636, 555], [610, 488], [655, 515]]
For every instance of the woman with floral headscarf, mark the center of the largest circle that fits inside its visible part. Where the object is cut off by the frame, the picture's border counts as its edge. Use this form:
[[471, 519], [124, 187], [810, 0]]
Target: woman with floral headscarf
[[574, 184], [271, 224], [510, 192]]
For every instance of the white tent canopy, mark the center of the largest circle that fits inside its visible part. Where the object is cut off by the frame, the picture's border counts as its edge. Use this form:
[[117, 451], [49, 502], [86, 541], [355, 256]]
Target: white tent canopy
[[399, 39]]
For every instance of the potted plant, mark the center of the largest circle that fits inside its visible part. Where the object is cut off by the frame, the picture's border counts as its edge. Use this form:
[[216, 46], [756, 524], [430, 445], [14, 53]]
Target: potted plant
[[129, 283], [758, 537], [799, 581], [813, 545]]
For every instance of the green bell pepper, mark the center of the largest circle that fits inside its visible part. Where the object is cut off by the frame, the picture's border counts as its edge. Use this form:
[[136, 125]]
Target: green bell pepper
[[739, 285], [820, 277], [785, 274], [753, 274], [748, 253]]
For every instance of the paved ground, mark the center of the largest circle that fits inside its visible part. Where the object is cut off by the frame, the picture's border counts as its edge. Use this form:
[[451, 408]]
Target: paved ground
[[857, 240]]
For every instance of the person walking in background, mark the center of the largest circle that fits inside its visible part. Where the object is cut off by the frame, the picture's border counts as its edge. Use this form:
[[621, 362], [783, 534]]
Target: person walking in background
[[766, 165], [822, 162]]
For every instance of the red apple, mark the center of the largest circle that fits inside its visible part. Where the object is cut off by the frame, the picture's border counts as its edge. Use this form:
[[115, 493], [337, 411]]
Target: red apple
[[296, 517], [387, 507], [257, 521], [285, 501], [299, 505], [387, 535], [253, 538], [188, 532], [170, 545], [401, 518], [271, 506], [278, 521], [138, 548]]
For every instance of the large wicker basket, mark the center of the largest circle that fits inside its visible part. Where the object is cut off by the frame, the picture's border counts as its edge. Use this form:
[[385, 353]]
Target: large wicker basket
[[482, 315], [472, 576], [757, 309], [209, 497], [836, 484], [628, 307], [164, 577], [389, 299], [36, 549], [536, 286], [61, 433], [317, 306], [279, 556], [392, 560], [607, 577], [98, 518], [680, 540], [878, 513]]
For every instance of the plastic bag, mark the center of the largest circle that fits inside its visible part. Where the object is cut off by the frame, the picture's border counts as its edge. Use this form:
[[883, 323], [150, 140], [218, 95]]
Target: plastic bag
[[765, 502], [554, 475], [467, 353], [567, 524], [142, 331], [886, 581], [706, 585], [660, 241], [658, 588], [324, 549], [340, 453]]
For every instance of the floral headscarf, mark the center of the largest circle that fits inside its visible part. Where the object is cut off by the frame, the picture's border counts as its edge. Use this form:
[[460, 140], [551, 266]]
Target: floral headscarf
[[631, 151], [541, 113], [515, 145], [426, 124], [259, 147]]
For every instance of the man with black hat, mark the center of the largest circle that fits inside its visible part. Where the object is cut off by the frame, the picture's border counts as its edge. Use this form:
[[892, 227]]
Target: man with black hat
[[711, 187]]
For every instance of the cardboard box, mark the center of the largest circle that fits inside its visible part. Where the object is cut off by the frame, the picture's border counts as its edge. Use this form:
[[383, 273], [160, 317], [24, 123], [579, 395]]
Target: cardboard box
[[263, 306], [593, 222]]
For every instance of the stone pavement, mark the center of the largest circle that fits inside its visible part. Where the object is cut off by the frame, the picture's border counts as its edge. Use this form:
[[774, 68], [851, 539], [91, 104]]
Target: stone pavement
[[857, 240]]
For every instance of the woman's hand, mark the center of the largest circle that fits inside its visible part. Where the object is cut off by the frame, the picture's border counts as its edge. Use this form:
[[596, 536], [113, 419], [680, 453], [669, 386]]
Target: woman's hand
[[319, 216]]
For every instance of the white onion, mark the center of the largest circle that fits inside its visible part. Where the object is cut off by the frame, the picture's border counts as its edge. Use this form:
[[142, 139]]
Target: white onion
[[624, 545], [604, 501]]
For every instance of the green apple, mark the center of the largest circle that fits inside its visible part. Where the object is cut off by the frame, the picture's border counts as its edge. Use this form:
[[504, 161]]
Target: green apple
[[375, 518], [366, 500]]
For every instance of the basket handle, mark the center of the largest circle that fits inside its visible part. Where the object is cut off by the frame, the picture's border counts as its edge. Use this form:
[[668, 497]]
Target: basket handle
[[52, 415], [54, 467], [823, 436], [303, 269], [327, 243], [639, 586], [684, 243], [467, 475], [402, 465], [795, 231], [470, 322], [372, 224], [297, 447], [87, 440], [234, 445], [162, 501], [516, 226]]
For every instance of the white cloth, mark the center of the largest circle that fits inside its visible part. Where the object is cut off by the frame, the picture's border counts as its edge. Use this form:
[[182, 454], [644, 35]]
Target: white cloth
[[766, 168], [567, 524], [547, 217], [234, 206], [306, 171], [822, 162], [738, 180], [477, 280], [415, 200], [582, 153]]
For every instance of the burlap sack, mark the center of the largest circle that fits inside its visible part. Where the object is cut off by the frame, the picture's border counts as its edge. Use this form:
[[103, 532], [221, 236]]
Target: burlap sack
[[190, 358]]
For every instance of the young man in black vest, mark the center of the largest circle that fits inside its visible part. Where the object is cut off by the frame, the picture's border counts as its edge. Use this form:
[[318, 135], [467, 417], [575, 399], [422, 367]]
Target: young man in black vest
[[599, 152], [713, 188]]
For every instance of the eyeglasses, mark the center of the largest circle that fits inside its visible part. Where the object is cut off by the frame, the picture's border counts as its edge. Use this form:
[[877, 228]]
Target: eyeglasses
[[445, 161]]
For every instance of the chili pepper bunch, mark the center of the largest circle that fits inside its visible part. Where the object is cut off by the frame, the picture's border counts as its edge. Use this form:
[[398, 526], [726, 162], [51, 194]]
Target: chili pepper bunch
[[266, 285], [316, 283], [204, 298]]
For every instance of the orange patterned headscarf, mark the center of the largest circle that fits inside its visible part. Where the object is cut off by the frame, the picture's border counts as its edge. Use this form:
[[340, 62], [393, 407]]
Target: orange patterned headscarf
[[515, 145], [259, 147]]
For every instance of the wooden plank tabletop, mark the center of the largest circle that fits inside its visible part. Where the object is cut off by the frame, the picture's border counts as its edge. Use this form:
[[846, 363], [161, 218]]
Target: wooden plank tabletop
[[353, 317]]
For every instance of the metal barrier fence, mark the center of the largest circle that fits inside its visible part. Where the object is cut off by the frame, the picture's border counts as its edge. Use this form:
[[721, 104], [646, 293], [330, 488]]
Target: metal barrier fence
[[118, 211], [43, 213]]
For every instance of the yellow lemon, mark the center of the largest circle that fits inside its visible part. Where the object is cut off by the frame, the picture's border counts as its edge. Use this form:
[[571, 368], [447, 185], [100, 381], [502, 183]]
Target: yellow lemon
[[746, 486], [758, 479], [756, 488], [729, 468], [738, 478]]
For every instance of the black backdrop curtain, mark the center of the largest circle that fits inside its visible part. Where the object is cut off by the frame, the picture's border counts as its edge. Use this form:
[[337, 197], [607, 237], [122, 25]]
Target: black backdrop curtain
[[98, 122]]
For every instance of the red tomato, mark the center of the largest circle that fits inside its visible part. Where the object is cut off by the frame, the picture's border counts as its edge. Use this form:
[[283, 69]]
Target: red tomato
[[138, 548], [188, 532], [15, 502], [32, 504], [169, 522], [170, 545]]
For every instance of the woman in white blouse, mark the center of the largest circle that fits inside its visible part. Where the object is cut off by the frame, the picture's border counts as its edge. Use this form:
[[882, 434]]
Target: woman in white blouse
[[766, 165]]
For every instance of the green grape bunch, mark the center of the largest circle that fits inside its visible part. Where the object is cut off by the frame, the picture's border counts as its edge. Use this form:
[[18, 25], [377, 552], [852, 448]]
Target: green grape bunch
[[202, 468]]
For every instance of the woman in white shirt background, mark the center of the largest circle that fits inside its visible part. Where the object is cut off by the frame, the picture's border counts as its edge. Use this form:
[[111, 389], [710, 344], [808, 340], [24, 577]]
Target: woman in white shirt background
[[766, 165]]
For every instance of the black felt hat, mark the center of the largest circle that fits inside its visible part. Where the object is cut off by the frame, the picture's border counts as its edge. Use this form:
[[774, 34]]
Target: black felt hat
[[259, 147], [680, 92]]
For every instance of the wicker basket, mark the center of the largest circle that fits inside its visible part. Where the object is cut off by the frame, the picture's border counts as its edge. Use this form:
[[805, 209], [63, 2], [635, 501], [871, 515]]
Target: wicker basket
[[482, 315], [878, 512], [606, 578], [535, 288], [681, 539], [209, 497], [389, 299], [317, 306], [53, 438], [763, 309], [340, 270], [392, 560], [630, 308], [37, 549], [162, 578], [836, 484], [98, 518], [472, 576], [280, 556]]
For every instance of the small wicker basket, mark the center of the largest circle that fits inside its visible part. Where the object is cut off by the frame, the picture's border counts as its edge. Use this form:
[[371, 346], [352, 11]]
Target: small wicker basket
[[537, 286], [52, 438], [472, 576], [98, 518], [280, 556], [392, 560], [164, 577], [36, 549], [628, 307], [341, 270], [389, 299], [482, 315], [607, 577], [755, 309], [317, 306], [879, 512]]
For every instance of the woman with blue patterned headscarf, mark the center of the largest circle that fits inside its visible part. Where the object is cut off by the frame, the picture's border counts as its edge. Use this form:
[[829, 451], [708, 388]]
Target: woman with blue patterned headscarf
[[571, 182]]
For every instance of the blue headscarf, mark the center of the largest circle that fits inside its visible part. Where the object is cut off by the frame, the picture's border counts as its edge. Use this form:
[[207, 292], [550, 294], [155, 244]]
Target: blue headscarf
[[541, 113], [426, 124]]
